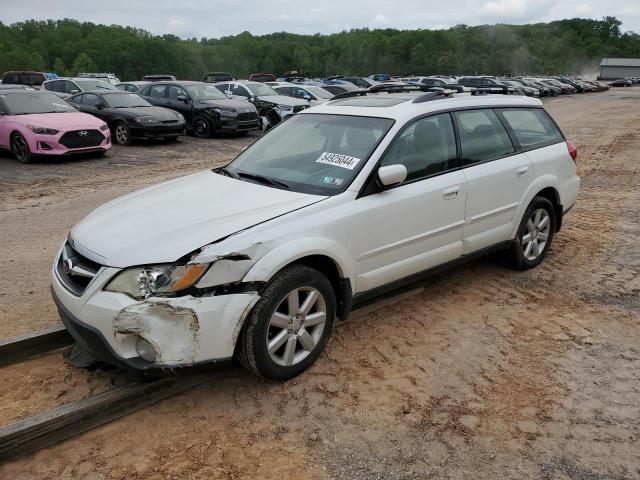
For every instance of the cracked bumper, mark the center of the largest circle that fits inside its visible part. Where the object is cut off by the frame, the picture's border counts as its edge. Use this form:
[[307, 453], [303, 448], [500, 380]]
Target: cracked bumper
[[183, 331]]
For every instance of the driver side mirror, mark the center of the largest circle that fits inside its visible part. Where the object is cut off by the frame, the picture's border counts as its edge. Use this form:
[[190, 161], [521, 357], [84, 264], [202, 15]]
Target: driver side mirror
[[98, 105], [74, 91], [307, 97], [390, 175], [182, 98]]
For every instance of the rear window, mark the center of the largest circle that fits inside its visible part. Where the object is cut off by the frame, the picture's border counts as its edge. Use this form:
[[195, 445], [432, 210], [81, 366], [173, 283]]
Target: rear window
[[532, 127], [482, 136]]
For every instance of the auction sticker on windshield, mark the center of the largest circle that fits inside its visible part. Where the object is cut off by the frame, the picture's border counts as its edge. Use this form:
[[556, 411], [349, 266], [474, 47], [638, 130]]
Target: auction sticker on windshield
[[338, 160]]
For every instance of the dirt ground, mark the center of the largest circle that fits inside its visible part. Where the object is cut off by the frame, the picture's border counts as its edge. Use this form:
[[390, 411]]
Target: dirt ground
[[487, 374]]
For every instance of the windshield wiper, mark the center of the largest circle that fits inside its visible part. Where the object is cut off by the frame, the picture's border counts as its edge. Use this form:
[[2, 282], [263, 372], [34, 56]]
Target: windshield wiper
[[228, 173], [264, 180]]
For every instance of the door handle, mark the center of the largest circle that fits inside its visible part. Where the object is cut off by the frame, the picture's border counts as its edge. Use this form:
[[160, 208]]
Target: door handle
[[451, 192], [522, 171]]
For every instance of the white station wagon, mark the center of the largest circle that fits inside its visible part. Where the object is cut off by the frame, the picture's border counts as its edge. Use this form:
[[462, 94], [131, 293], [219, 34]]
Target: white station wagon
[[257, 260]]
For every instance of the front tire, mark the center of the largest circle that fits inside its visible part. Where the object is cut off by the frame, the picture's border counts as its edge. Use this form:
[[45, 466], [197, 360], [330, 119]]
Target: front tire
[[20, 148], [122, 134], [202, 127], [290, 325], [534, 235]]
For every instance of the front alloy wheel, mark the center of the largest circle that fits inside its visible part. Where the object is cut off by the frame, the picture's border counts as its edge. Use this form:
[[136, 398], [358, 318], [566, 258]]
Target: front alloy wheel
[[121, 134], [290, 324], [20, 148], [296, 326]]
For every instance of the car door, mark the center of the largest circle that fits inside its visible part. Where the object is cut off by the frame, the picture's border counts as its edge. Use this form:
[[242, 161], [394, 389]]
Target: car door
[[182, 105], [93, 104], [497, 178], [4, 127], [157, 95], [417, 224]]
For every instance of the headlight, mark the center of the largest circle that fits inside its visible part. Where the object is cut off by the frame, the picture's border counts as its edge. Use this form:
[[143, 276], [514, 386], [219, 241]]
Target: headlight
[[160, 280], [226, 110], [104, 127], [145, 120], [42, 130], [286, 108], [180, 117]]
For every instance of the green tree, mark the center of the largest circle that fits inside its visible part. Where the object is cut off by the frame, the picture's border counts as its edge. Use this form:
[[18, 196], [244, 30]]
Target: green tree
[[83, 63]]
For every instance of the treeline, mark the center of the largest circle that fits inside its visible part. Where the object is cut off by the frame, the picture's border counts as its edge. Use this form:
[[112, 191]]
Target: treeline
[[68, 47]]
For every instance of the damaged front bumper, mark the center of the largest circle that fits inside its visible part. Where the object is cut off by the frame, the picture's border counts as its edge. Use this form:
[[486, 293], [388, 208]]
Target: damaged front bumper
[[183, 331]]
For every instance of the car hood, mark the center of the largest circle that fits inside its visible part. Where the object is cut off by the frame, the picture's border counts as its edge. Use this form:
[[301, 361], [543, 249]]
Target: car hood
[[283, 100], [240, 106], [162, 223], [59, 121], [159, 113]]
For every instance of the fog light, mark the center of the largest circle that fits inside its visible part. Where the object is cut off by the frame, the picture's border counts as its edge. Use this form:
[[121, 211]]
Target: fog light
[[145, 350]]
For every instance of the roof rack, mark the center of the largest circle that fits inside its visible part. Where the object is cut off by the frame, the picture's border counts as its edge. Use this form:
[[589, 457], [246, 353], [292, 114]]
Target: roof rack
[[395, 88]]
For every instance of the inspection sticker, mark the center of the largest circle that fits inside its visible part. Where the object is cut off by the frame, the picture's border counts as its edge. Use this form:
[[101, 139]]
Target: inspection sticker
[[331, 181], [338, 160]]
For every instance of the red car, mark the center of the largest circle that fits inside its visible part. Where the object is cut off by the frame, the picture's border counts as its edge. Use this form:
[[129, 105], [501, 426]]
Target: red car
[[262, 77], [40, 123]]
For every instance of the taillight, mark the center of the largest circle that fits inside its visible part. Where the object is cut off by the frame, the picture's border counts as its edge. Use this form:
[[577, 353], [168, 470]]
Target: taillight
[[573, 151]]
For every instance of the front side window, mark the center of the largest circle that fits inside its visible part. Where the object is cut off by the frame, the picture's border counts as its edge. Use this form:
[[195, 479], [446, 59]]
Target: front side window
[[175, 92], [313, 153], [426, 147], [532, 127], [90, 100], [482, 136], [239, 90]]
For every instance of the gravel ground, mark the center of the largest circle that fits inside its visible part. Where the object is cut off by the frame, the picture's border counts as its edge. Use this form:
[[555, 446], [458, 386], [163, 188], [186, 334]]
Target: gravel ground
[[487, 374]]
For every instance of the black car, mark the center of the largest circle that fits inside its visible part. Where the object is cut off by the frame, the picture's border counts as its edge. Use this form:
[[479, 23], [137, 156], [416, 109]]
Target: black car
[[206, 109], [159, 77], [215, 77], [486, 84], [130, 116]]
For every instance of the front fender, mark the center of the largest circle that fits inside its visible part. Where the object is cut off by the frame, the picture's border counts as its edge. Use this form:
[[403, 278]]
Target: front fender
[[278, 258]]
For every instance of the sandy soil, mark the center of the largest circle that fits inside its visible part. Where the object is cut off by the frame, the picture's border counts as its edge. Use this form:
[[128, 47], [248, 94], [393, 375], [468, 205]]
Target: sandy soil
[[488, 374]]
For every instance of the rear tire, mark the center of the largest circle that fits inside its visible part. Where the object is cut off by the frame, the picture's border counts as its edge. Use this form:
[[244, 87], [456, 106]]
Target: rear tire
[[289, 326], [20, 148], [534, 235]]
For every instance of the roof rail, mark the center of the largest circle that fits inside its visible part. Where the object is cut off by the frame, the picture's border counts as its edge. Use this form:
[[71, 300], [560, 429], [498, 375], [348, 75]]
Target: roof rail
[[394, 88], [427, 97]]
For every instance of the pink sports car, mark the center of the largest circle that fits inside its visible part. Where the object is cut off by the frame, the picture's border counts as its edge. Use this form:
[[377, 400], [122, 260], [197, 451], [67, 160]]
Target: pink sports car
[[40, 123]]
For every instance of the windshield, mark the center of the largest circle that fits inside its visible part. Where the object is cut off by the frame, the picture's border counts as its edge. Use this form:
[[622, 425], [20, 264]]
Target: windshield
[[261, 90], [320, 92], [313, 153], [34, 102], [125, 100], [205, 92], [94, 85]]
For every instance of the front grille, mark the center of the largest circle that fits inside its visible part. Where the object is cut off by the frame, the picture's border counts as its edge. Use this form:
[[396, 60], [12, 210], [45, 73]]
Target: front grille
[[299, 108], [246, 117], [170, 121], [82, 139], [75, 271]]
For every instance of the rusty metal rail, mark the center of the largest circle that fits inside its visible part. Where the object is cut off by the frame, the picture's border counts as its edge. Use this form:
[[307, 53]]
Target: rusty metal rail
[[47, 428], [31, 344]]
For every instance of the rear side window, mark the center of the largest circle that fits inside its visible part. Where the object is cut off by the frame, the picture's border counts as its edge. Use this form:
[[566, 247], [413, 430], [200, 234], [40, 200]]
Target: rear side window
[[532, 127], [11, 78], [482, 136]]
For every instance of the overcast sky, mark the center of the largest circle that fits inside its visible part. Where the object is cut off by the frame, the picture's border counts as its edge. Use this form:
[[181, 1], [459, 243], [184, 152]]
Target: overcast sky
[[216, 18]]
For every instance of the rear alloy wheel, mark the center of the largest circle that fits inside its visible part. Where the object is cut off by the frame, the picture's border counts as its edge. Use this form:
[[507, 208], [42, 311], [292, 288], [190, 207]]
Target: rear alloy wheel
[[534, 235], [289, 326], [20, 148], [202, 127], [122, 134]]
